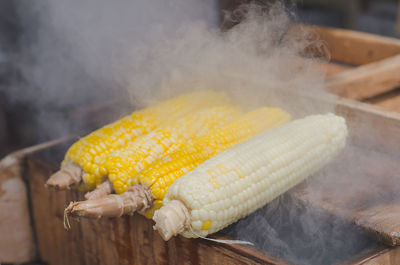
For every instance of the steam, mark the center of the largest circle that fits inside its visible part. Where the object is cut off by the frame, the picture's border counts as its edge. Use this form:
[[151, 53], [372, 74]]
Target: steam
[[258, 58], [77, 53]]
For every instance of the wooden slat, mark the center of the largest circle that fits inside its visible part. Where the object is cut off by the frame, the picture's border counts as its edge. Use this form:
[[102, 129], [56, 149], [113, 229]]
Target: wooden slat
[[357, 48], [333, 68], [390, 102], [364, 191], [16, 244], [368, 126], [125, 240], [368, 80], [386, 256], [375, 186]]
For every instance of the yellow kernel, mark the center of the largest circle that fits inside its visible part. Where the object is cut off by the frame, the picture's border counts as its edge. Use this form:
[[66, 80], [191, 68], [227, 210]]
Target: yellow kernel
[[87, 166], [103, 171], [206, 225]]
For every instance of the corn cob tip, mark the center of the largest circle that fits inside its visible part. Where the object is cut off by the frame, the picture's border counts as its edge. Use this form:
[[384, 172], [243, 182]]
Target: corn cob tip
[[68, 175], [137, 198], [101, 190], [171, 219]]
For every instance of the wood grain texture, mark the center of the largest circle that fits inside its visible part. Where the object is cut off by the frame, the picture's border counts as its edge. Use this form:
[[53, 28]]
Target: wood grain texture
[[332, 68], [16, 244], [369, 127], [368, 80], [378, 197], [372, 180], [126, 240], [386, 256], [363, 188], [356, 48], [390, 102]]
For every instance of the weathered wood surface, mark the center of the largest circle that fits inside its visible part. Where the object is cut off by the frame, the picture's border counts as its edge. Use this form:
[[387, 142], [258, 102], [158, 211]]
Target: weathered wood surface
[[361, 186], [368, 80], [16, 244], [369, 127], [367, 191], [389, 101], [384, 256], [126, 240], [356, 48], [332, 68]]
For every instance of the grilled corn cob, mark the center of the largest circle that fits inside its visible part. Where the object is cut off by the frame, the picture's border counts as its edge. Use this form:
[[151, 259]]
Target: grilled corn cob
[[244, 178], [155, 179], [84, 156]]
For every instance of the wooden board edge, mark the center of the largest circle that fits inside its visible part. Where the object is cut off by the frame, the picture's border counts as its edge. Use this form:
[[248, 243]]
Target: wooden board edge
[[354, 47], [368, 80]]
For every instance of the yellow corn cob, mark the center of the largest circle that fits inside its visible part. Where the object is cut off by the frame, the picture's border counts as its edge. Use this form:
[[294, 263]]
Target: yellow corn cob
[[161, 174], [124, 164], [155, 179], [244, 178], [89, 151]]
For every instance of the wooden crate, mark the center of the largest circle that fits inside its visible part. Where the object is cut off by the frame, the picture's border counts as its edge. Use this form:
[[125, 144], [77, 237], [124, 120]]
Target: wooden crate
[[375, 136], [131, 240]]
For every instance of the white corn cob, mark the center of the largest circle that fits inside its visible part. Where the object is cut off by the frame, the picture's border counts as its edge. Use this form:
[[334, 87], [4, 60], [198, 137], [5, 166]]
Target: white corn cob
[[244, 178]]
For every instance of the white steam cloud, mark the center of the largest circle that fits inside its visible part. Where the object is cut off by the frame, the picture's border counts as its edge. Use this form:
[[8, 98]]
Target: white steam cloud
[[78, 52]]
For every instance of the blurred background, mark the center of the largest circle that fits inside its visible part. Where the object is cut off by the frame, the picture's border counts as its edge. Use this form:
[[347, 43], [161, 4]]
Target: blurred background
[[22, 65]]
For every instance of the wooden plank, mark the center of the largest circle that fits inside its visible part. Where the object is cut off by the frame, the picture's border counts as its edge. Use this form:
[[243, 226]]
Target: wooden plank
[[386, 256], [389, 102], [368, 80], [332, 68], [357, 48], [16, 244], [369, 127], [379, 131], [362, 186], [126, 240]]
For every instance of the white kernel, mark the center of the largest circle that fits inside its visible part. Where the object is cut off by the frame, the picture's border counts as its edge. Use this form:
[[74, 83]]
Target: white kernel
[[197, 225]]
